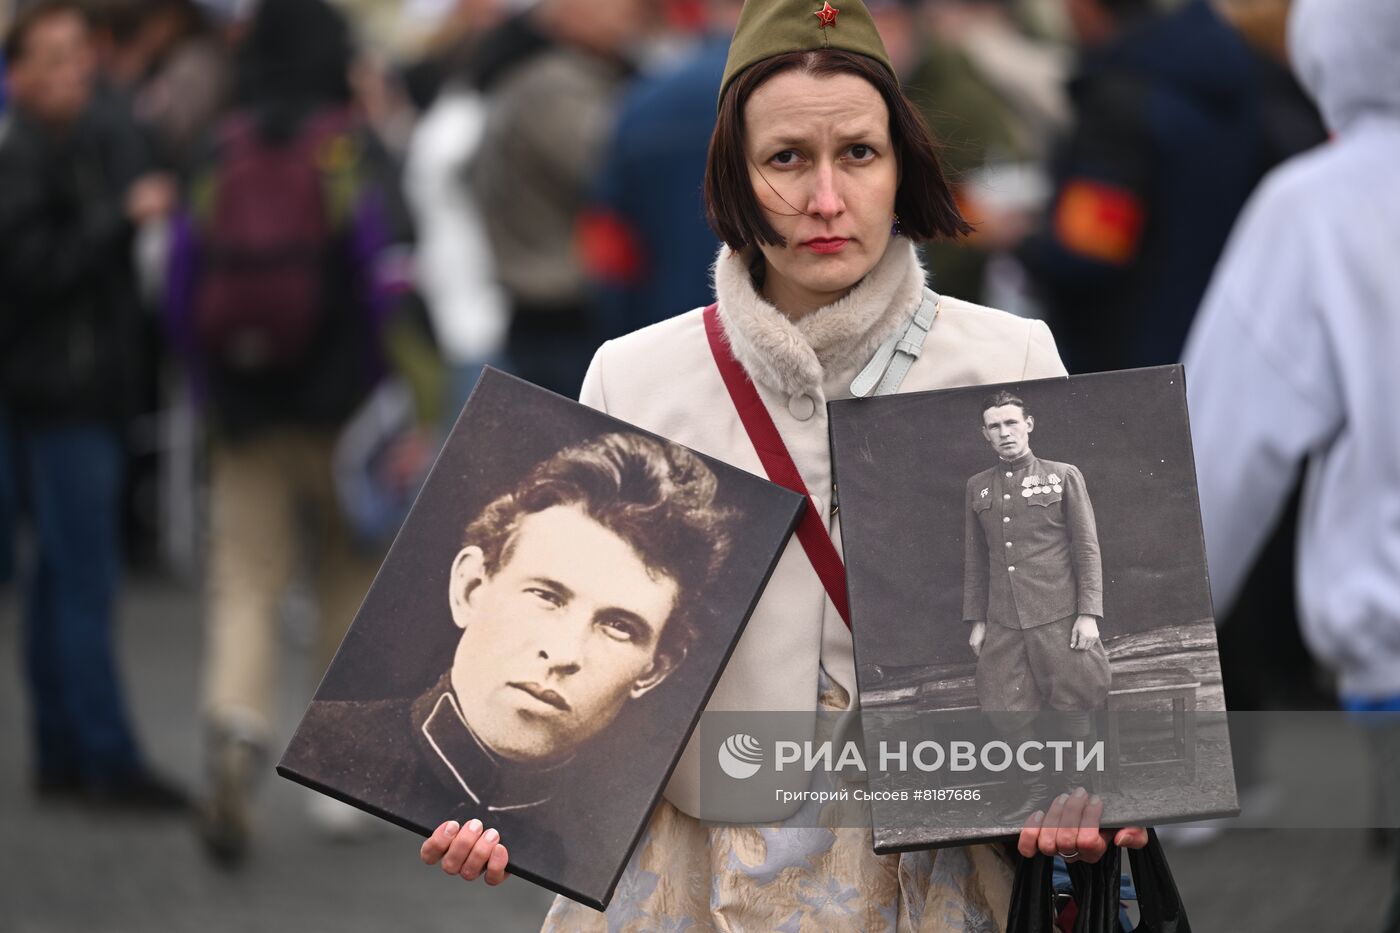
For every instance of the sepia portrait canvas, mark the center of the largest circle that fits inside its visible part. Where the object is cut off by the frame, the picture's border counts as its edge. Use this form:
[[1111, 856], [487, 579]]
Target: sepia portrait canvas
[[543, 634], [1027, 572]]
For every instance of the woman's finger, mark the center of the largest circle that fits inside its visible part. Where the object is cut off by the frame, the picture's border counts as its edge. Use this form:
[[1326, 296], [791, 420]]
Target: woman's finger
[[480, 854], [461, 847], [1067, 830], [496, 865], [1131, 837], [1054, 818], [1030, 834], [1090, 843], [436, 845]]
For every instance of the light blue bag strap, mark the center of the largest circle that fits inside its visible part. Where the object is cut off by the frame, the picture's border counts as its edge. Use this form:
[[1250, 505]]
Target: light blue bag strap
[[891, 362]]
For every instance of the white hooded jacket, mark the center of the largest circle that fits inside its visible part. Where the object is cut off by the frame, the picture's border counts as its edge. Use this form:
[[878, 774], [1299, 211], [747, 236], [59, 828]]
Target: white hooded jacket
[[1295, 355]]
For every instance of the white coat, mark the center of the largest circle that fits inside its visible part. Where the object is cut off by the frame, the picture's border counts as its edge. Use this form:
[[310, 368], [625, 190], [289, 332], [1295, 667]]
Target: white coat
[[664, 379]]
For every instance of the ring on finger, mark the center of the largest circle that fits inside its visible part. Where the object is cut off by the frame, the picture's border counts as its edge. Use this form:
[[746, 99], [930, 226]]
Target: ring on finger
[[1068, 855]]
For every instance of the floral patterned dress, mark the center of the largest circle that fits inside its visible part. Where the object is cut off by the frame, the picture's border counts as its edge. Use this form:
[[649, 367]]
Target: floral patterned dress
[[688, 875]]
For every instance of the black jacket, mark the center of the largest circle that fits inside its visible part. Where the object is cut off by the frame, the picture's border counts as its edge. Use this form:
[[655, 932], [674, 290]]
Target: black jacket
[[384, 756], [69, 311], [1176, 121]]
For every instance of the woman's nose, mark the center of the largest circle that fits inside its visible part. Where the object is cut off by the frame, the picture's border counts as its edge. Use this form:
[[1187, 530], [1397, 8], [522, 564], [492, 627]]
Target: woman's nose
[[826, 200]]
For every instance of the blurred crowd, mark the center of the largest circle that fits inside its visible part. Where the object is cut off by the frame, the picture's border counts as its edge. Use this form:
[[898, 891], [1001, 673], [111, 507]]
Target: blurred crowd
[[253, 257]]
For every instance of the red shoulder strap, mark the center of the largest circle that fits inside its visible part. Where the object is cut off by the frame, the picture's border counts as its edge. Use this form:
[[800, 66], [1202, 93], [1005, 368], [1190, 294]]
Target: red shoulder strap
[[777, 462]]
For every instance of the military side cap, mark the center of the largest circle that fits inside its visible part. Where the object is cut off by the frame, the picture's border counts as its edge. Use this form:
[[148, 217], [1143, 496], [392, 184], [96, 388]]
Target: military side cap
[[768, 28]]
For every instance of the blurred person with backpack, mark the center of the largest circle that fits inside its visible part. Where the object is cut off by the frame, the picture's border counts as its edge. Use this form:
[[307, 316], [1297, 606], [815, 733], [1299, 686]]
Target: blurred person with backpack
[[73, 188], [288, 299]]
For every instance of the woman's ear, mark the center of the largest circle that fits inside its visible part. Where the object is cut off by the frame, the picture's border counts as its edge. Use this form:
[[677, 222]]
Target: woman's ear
[[468, 572]]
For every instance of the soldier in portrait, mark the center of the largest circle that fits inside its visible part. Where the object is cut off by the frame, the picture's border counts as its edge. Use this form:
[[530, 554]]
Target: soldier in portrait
[[1032, 590]]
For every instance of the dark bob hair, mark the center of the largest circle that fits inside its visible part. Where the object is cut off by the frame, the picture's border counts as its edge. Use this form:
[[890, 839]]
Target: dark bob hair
[[923, 201]]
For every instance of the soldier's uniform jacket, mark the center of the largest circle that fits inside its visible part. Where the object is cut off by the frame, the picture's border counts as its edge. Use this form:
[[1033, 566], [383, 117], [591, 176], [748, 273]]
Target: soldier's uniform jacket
[[1032, 549]]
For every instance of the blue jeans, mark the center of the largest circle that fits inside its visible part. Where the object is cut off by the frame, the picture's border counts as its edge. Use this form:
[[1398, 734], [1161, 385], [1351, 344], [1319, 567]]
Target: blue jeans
[[72, 475]]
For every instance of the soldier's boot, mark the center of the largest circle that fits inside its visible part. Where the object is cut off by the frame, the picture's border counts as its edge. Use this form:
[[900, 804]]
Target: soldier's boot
[[1079, 730], [225, 817], [1032, 792]]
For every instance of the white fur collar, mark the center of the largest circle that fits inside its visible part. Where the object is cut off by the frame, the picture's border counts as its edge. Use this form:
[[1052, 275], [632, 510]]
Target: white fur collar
[[840, 338]]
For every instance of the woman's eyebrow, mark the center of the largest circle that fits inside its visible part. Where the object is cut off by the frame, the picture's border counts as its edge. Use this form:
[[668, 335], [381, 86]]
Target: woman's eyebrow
[[849, 133], [787, 139]]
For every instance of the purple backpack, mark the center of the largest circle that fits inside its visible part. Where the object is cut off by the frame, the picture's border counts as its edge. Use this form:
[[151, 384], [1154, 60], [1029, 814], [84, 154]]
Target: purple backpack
[[268, 233]]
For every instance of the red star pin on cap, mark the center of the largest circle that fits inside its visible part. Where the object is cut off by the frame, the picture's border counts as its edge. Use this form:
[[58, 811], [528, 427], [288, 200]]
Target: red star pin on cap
[[826, 15]]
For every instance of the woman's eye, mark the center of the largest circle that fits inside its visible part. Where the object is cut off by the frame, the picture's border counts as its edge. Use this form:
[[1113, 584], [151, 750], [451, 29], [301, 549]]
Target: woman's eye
[[860, 152], [786, 157]]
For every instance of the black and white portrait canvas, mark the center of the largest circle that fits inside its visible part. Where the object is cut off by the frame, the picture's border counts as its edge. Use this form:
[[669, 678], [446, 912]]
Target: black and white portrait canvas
[[1029, 557], [543, 634]]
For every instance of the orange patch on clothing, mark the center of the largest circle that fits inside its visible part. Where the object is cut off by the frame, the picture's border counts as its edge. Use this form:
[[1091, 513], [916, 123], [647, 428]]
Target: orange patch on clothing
[[608, 248], [1100, 221]]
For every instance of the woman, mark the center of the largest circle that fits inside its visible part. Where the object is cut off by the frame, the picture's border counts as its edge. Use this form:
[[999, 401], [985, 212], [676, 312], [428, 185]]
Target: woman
[[817, 159]]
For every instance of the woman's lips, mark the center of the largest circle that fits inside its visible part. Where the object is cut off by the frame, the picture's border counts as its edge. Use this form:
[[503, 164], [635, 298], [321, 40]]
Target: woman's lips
[[826, 245]]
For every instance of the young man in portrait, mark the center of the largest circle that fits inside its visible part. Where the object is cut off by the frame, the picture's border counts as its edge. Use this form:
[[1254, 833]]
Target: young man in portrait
[[575, 594]]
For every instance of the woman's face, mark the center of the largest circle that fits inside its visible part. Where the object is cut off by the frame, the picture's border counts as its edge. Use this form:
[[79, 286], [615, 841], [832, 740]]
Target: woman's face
[[824, 170]]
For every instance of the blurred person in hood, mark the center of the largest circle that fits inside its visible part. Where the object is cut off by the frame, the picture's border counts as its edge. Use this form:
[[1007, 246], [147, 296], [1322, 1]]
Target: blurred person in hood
[[1292, 366]]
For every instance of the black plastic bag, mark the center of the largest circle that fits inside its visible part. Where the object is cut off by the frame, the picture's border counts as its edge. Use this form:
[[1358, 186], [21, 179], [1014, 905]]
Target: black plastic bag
[[1159, 902], [1096, 889], [1032, 897]]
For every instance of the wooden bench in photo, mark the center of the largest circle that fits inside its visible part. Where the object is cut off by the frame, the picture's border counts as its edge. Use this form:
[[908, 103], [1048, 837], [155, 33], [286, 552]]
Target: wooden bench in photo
[[1137, 691], [1141, 691]]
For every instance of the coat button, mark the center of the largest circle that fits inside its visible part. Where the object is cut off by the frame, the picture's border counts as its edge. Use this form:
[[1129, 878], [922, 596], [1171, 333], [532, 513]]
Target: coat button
[[1006, 518], [1006, 495], [1008, 544], [802, 406], [1012, 569], [1008, 474]]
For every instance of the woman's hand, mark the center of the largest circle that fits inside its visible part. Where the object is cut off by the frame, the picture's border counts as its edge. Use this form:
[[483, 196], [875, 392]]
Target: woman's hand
[[1070, 829], [467, 851]]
